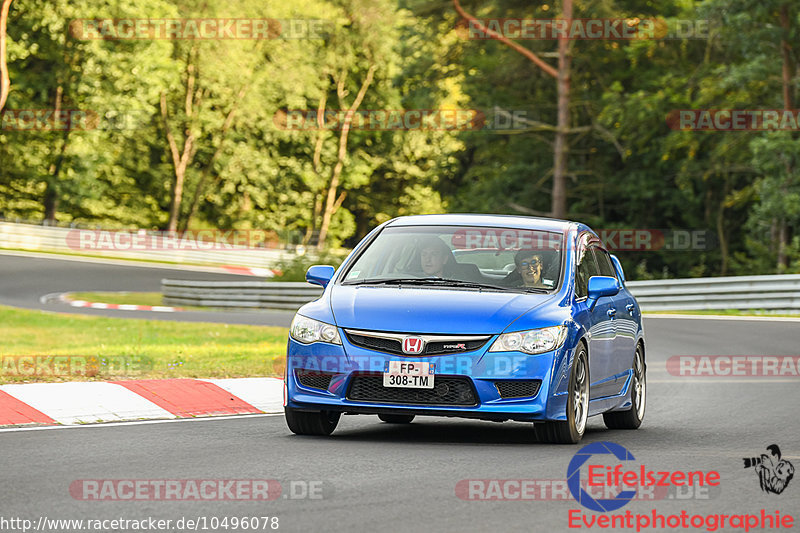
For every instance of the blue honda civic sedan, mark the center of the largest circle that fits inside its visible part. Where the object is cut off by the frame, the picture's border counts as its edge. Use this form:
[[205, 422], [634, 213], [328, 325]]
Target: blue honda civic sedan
[[477, 316]]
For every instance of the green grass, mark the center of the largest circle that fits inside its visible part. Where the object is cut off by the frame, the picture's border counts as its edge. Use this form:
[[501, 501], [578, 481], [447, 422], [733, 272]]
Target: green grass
[[727, 312], [116, 348]]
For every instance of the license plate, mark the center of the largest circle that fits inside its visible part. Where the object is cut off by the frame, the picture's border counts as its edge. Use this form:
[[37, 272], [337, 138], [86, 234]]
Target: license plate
[[412, 375]]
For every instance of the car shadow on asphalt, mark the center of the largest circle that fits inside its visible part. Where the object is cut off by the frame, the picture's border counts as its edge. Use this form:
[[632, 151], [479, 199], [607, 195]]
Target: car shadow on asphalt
[[427, 430]]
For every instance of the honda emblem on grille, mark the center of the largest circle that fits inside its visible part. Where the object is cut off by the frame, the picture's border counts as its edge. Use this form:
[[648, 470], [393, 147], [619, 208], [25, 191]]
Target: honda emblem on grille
[[413, 345]]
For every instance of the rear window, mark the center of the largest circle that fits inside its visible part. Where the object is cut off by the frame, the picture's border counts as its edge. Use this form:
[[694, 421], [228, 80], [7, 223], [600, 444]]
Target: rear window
[[511, 258]]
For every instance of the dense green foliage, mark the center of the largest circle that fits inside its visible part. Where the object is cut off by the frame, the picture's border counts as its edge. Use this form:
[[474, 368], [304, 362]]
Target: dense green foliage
[[244, 169]]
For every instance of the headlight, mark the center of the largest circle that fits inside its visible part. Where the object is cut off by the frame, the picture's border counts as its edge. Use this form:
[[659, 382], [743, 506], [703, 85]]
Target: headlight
[[532, 341], [306, 330]]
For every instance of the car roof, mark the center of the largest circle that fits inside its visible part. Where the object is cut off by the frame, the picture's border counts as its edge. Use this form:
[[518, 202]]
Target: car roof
[[503, 221]]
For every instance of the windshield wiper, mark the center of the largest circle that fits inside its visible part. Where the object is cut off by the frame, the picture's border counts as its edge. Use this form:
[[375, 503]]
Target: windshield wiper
[[389, 281], [429, 281], [472, 284], [536, 289]]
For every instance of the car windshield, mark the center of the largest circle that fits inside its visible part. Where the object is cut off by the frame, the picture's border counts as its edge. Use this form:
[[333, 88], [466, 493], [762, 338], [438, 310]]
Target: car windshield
[[472, 257]]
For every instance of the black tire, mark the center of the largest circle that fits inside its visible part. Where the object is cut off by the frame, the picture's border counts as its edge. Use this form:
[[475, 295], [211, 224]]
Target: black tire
[[396, 419], [632, 418], [311, 422], [570, 431]]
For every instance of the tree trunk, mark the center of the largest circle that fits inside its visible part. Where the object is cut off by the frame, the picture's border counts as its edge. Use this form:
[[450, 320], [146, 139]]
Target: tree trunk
[[179, 162], [311, 230], [788, 75], [786, 55], [5, 82], [721, 235], [50, 201], [558, 198], [331, 202], [312, 226], [783, 259], [558, 205]]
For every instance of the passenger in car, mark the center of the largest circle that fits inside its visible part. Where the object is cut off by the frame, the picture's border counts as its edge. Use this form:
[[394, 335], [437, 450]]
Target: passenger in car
[[528, 271], [436, 259], [434, 254]]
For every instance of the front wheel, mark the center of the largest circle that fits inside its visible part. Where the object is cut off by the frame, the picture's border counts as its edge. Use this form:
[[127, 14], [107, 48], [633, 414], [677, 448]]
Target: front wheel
[[632, 418], [311, 422], [571, 431]]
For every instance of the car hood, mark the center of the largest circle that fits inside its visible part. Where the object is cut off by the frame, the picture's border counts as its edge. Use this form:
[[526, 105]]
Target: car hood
[[429, 310]]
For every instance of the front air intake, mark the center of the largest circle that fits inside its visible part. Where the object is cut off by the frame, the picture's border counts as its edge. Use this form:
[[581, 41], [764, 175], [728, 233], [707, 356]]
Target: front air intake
[[313, 379], [515, 388]]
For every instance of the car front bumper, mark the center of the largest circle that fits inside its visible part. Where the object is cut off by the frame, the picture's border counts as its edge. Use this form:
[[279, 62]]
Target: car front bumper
[[480, 370]]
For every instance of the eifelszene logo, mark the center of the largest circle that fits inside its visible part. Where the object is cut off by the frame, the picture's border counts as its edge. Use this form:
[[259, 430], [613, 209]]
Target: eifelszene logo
[[774, 473], [574, 477], [599, 475]]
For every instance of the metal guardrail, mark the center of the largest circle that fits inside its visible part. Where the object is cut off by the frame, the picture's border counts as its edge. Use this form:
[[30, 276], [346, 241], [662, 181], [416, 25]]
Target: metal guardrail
[[239, 294], [67, 240], [775, 293]]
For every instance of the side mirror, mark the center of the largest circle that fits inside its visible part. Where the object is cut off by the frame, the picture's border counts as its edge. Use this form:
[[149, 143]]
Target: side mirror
[[618, 267], [600, 286], [320, 275]]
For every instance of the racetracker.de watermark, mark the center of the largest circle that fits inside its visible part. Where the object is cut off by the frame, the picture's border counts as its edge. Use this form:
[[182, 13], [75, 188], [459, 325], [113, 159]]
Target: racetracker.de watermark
[[73, 365], [144, 240], [633, 28], [490, 119], [651, 240], [734, 119], [51, 119], [614, 240], [726, 366], [198, 490], [390, 119], [142, 523], [557, 490], [494, 364], [199, 29]]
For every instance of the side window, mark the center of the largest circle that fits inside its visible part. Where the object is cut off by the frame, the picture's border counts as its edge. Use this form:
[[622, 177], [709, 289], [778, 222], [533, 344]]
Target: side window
[[604, 263], [586, 269]]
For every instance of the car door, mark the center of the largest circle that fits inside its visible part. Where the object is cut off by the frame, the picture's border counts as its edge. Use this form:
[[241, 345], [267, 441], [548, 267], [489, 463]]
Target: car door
[[600, 327], [625, 325]]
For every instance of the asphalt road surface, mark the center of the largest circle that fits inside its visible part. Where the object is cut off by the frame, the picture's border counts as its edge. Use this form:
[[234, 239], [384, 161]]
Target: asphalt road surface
[[24, 280], [371, 476]]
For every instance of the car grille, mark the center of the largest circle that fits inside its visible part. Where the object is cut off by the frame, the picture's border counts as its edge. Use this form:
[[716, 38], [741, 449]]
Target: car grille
[[447, 390], [376, 343], [434, 344], [313, 379], [517, 388]]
